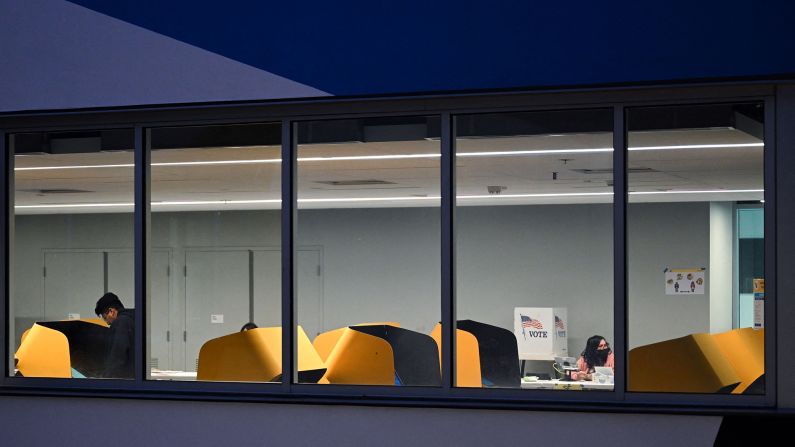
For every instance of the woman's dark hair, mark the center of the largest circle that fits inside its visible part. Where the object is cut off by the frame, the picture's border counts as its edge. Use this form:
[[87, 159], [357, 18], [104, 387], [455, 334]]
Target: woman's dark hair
[[248, 327], [590, 352]]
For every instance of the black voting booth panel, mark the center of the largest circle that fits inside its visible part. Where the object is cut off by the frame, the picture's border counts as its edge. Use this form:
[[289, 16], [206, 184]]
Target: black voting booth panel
[[416, 356], [499, 358], [86, 344]]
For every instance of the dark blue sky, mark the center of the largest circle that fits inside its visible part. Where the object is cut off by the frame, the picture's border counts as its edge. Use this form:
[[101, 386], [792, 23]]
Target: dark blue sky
[[377, 47]]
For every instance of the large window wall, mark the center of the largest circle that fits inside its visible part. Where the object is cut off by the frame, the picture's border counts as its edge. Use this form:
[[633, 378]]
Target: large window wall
[[368, 218], [72, 243], [474, 253], [215, 259], [693, 173], [534, 253]]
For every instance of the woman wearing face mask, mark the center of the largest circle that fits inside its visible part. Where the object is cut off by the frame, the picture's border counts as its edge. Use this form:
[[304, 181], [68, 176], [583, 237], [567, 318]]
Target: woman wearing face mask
[[597, 353]]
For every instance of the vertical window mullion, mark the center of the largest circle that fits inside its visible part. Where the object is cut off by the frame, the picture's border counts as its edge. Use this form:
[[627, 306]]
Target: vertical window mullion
[[6, 214], [620, 195], [142, 228], [448, 250], [769, 210], [289, 216]]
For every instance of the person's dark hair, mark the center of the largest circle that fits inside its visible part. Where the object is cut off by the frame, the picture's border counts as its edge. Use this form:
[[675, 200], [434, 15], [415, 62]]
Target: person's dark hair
[[248, 326], [590, 353], [108, 300]]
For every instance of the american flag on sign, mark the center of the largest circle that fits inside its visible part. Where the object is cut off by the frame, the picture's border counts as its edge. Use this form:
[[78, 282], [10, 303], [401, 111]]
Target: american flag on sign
[[528, 322], [559, 323]]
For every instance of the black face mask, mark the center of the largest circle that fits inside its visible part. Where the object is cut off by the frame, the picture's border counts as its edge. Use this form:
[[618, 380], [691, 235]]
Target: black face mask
[[601, 356]]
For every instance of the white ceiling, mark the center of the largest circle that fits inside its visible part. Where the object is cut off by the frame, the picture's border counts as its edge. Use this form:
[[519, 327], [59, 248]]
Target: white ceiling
[[409, 181]]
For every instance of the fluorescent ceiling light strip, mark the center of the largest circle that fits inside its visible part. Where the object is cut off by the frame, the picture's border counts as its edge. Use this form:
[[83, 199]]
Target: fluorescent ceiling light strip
[[369, 157], [367, 199], [401, 156], [535, 152], [520, 196], [215, 202], [218, 162], [695, 146], [47, 168], [720, 191], [74, 205], [380, 199]]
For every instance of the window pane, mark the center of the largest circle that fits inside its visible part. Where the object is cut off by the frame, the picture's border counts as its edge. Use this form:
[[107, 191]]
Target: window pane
[[691, 255], [368, 251], [215, 264], [750, 243], [72, 243], [534, 253]]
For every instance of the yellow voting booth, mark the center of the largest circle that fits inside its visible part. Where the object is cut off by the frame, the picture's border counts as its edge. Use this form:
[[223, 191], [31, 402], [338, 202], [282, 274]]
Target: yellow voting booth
[[486, 355], [256, 356], [361, 359], [378, 354], [699, 363], [44, 352], [467, 357], [61, 348], [324, 343]]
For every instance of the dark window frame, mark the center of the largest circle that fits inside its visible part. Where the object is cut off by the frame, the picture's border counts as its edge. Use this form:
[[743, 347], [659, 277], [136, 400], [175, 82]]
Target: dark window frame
[[446, 106]]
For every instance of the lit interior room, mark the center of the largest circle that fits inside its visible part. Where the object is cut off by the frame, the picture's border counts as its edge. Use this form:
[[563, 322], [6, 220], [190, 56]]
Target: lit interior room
[[533, 250]]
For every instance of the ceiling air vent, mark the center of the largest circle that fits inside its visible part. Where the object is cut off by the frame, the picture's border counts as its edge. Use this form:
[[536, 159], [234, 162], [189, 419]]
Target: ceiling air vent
[[57, 191], [355, 182]]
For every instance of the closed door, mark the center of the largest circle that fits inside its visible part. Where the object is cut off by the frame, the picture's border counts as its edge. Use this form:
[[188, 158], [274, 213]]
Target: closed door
[[73, 282], [121, 281], [216, 297], [267, 282], [267, 291], [309, 313]]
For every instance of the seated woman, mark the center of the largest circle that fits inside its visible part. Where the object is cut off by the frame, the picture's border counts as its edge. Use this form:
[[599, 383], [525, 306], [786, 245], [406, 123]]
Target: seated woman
[[597, 353]]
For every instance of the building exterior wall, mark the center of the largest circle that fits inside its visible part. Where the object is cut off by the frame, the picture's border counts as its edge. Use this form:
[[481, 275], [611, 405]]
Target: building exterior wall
[[72, 421], [90, 54]]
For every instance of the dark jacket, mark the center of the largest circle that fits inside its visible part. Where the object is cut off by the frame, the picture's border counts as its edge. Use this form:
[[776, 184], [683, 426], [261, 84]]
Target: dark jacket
[[120, 351]]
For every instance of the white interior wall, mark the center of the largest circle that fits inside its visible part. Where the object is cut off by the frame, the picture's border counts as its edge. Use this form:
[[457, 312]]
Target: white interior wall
[[721, 260], [537, 256], [384, 264], [660, 236], [379, 265], [182, 231]]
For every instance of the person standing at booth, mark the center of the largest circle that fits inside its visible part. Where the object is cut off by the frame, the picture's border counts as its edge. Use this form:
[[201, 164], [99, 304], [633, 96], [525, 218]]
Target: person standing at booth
[[119, 353]]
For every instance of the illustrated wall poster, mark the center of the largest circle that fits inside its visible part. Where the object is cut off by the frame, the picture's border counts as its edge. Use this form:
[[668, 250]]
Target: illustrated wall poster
[[759, 303], [685, 281]]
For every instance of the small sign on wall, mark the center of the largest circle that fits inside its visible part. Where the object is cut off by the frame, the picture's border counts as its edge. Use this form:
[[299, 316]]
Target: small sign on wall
[[759, 303], [685, 281], [73, 317], [217, 318]]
